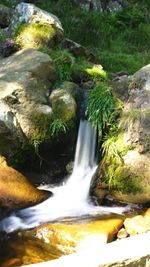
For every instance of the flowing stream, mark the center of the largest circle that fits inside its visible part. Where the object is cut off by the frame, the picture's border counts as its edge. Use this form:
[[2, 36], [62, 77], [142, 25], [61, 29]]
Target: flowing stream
[[71, 199]]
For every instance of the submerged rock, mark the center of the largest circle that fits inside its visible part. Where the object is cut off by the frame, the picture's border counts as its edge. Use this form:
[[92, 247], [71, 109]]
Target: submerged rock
[[16, 191], [73, 236]]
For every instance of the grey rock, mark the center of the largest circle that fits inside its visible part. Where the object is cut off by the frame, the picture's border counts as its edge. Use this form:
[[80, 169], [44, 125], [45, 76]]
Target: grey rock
[[24, 86]]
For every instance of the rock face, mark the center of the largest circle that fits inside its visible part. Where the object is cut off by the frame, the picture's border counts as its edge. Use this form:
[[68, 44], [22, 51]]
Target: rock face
[[130, 166], [24, 81], [16, 191]]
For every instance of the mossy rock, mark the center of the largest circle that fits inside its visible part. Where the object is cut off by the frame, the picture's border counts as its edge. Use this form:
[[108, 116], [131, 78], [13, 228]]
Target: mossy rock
[[63, 105], [36, 35], [126, 171]]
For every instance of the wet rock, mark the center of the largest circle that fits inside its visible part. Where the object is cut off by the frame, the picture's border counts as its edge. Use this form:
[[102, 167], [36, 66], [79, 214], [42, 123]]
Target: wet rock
[[129, 252], [16, 191], [25, 251], [101, 191], [122, 233], [70, 237], [138, 224]]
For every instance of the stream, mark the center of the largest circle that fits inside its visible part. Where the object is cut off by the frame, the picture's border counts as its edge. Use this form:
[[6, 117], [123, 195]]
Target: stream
[[69, 204]]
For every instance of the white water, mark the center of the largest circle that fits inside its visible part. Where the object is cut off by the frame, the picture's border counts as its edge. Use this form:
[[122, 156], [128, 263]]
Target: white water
[[70, 199]]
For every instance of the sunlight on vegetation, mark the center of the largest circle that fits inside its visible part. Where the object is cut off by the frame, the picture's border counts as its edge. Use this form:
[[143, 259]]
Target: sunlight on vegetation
[[35, 35], [96, 72], [101, 107]]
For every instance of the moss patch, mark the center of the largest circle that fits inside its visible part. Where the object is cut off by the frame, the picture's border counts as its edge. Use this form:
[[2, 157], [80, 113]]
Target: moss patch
[[35, 35], [41, 127]]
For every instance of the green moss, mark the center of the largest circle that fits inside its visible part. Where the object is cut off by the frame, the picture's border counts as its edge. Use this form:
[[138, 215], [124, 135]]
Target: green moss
[[114, 149], [126, 182], [41, 127], [46, 128], [116, 174], [35, 35]]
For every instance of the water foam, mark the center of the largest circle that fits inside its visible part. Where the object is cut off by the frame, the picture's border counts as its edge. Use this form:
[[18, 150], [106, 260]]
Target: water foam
[[70, 199]]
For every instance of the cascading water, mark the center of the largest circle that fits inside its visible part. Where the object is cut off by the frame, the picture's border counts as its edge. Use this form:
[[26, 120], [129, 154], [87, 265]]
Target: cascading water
[[70, 199]]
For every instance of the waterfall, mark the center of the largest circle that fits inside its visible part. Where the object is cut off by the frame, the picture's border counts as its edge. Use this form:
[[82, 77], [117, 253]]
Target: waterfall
[[70, 199]]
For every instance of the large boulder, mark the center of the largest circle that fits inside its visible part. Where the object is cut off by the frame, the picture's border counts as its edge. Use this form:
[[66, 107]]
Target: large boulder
[[25, 78], [34, 26], [16, 191], [126, 164], [26, 112]]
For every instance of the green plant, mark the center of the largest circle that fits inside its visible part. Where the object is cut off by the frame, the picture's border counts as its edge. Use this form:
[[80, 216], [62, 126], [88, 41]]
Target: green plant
[[101, 107], [63, 61], [57, 127], [34, 35]]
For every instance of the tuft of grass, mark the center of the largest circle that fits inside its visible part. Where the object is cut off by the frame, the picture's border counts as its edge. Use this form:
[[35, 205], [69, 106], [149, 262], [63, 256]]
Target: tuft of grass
[[57, 127], [35, 35], [101, 107], [115, 62], [63, 61]]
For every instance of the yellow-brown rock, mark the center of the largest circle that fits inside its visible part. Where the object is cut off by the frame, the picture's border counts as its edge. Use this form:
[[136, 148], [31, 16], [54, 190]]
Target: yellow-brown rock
[[138, 224], [15, 189], [69, 237]]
